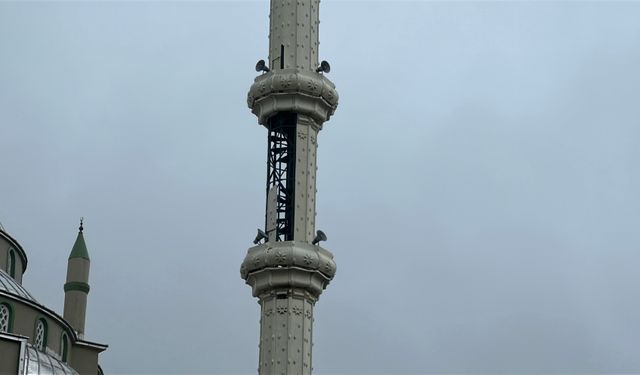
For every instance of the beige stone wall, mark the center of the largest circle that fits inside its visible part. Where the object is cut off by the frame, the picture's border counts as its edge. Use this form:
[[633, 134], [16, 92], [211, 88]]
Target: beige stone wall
[[9, 356], [75, 309], [84, 360], [78, 270], [75, 301], [286, 328], [293, 34], [19, 269], [24, 322], [4, 253], [305, 204], [4, 256]]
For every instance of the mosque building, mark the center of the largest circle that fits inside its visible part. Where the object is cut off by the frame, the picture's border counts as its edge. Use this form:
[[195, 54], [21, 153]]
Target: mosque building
[[34, 339]]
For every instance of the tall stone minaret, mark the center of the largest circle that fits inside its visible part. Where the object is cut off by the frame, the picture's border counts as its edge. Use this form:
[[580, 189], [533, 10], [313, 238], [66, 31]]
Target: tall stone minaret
[[292, 98], [77, 286]]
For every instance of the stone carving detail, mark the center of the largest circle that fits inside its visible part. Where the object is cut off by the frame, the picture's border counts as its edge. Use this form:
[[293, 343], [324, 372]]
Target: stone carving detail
[[286, 82], [308, 314], [307, 259], [290, 264], [302, 136], [297, 310], [289, 254], [327, 267], [330, 96], [312, 85], [305, 92], [282, 310], [268, 312]]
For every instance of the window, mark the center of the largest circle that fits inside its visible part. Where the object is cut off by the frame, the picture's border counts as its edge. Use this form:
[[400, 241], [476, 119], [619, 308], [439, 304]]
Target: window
[[5, 317], [11, 263], [64, 347], [40, 338]]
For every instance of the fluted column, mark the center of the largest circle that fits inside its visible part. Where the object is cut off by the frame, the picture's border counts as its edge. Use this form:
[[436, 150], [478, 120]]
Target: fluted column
[[288, 278], [286, 328]]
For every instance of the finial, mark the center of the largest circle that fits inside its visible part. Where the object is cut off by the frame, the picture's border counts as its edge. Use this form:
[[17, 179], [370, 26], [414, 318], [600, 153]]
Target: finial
[[81, 227]]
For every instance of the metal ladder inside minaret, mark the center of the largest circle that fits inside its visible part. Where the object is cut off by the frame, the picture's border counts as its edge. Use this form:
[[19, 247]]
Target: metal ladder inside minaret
[[281, 158]]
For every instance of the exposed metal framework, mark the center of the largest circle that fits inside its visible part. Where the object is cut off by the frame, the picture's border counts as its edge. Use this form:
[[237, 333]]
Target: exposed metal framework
[[281, 163]]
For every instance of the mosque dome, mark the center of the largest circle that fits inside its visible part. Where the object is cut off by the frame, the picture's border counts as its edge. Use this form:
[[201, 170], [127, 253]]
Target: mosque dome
[[38, 363], [10, 285], [34, 339]]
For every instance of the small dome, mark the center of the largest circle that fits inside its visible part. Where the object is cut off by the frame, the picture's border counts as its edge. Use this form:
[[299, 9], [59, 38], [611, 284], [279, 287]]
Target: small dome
[[9, 285], [37, 362]]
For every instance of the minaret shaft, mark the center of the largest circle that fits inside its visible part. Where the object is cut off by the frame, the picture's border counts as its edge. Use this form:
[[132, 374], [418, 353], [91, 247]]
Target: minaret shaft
[[288, 272], [286, 326], [77, 287], [293, 34], [305, 197], [75, 293]]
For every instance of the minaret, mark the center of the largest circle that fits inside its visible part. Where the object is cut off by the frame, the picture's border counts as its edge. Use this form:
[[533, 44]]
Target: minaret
[[77, 286], [292, 98]]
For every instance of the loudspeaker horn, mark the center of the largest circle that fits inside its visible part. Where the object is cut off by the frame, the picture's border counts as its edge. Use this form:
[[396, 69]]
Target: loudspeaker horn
[[320, 236], [324, 67], [260, 236], [261, 66]]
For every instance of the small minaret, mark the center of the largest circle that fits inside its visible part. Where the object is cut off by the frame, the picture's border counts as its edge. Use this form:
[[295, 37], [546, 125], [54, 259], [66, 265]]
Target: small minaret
[[292, 98], [77, 286]]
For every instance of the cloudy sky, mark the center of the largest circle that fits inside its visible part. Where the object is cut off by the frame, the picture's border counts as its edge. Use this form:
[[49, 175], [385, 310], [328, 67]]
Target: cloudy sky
[[478, 183]]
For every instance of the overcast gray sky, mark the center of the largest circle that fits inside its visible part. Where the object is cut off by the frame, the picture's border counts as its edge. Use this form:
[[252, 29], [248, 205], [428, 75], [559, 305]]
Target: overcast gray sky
[[478, 183]]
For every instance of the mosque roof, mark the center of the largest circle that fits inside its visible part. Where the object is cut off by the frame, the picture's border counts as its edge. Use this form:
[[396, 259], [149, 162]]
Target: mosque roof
[[8, 284], [11, 287], [17, 247], [79, 249]]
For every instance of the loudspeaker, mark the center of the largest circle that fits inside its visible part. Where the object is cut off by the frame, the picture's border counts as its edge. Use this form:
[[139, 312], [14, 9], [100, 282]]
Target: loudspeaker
[[320, 236], [261, 66], [260, 236]]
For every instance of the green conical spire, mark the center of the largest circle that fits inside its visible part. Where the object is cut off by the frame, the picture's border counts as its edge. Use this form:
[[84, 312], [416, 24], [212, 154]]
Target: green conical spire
[[79, 248]]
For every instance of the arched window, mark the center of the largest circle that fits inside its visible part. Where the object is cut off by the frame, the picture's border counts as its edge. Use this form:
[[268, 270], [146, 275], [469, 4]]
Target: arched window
[[5, 317], [64, 347], [11, 263], [40, 337]]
